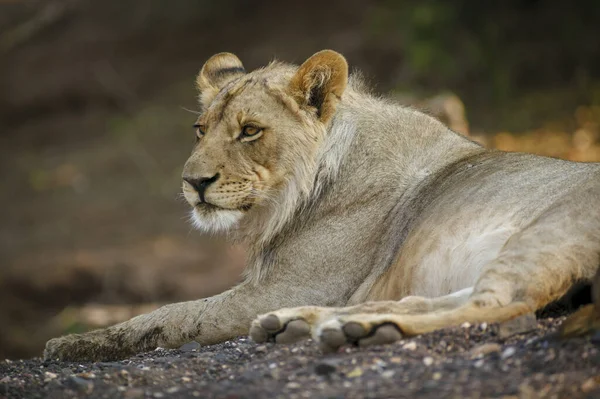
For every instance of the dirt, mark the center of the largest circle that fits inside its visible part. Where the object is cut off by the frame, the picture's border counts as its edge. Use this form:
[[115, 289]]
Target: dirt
[[461, 362]]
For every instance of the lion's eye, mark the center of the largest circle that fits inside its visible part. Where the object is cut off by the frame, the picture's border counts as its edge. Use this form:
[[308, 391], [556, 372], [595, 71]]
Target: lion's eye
[[250, 132], [199, 130]]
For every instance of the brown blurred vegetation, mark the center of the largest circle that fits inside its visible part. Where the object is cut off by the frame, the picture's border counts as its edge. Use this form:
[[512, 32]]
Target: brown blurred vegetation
[[94, 131]]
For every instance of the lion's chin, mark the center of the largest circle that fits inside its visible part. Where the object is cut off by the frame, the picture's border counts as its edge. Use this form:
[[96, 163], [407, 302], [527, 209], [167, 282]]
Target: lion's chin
[[215, 220]]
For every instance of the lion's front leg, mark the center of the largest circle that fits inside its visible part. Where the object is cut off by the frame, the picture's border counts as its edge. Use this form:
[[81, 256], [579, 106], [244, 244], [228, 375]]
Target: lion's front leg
[[206, 321], [169, 326]]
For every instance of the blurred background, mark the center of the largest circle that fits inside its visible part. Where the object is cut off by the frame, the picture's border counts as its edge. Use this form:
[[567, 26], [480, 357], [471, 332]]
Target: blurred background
[[95, 126]]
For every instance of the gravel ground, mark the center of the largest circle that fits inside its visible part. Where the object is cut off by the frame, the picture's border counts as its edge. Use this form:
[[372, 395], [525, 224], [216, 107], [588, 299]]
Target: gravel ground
[[479, 361]]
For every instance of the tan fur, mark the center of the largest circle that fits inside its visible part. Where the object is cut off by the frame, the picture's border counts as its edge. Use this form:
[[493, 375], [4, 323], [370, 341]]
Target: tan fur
[[365, 221]]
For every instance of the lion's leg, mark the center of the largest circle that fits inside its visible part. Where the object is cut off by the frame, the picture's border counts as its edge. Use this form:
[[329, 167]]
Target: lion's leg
[[206, 321], [295, 324], [366, 329], [535, 267]]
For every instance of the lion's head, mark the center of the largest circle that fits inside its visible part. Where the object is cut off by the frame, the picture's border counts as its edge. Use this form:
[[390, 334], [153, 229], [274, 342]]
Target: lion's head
[[258, 135]]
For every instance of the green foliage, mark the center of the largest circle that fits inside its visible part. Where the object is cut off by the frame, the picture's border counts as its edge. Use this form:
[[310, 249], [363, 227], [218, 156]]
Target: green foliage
[[494, 51]]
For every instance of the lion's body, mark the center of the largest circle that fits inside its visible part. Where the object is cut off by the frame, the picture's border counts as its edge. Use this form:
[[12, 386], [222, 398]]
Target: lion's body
[[345, 199]]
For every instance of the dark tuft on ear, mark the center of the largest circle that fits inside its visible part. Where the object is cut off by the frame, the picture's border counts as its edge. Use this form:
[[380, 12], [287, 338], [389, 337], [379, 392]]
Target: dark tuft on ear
[[320, 82], [219, 70]]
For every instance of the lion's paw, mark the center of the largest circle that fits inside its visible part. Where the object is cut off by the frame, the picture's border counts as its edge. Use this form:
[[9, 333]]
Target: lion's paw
[[361, 330], [61, 348], [92, 346], [286, 326]]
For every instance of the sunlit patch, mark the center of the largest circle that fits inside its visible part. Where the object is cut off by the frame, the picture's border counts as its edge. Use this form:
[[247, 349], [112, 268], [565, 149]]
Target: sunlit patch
[[216, 221]]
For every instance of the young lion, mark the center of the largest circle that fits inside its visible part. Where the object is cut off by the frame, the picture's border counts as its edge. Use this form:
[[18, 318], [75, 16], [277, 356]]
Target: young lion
[[376, 219]]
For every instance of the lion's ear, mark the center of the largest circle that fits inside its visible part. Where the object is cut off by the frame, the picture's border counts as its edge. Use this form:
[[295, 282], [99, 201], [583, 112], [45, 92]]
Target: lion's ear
[[320, 82], [219, 70]]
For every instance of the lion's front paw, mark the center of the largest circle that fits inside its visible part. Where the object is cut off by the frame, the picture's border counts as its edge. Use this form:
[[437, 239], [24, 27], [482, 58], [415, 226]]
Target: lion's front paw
[[361, 330], [93, 346], [286, 325], [61, 348]]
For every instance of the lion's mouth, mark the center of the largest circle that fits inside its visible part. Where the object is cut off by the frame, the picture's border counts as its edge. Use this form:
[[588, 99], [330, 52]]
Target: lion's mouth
[[208, 207], [245, 207]]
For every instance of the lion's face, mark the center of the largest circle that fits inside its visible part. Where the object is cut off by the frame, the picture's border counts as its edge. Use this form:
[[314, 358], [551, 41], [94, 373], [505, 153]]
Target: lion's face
[[256, 132]]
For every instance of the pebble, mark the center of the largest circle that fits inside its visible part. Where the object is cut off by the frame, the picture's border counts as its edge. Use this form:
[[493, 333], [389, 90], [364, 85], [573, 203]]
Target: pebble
[[80, 384], [590, 384], [261, 349], [172, 390], [50, 376], [508, 352], [411, 346], [436, 376], [485, 349], [516, 326], [87, 375], [325, 367], [357, 372], [186, 379], [428, 361], [190, 346], [134, 393], [466, 324], [388, 374], [292, 385]]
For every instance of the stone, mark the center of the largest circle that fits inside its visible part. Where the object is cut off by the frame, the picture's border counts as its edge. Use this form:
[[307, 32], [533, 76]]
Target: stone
[[49, 375], [80, 384], [411, 346], [388, 374], [134, 393], [190, 346], [357, 372], [485, 349], [590, 384], [520, 325], [87, 375], [325, 367], [508, 352], [596, 337]]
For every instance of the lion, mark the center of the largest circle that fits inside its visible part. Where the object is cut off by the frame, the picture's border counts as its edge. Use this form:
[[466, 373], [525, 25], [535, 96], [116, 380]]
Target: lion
[[365, 221]]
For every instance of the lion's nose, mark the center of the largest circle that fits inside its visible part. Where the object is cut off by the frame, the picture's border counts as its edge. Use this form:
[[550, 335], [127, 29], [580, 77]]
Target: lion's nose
[[200, 184]]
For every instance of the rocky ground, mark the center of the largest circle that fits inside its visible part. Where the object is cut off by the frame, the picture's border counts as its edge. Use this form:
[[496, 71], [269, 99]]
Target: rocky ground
[[479, 361]]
